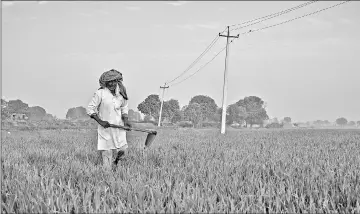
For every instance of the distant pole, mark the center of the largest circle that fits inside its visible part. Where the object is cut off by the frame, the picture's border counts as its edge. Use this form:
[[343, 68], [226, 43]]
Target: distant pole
[[223, 115], [162, 102]]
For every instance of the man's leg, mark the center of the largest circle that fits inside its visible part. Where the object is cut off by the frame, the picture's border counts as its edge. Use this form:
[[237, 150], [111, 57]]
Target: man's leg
[[107, 158], [121, 152]]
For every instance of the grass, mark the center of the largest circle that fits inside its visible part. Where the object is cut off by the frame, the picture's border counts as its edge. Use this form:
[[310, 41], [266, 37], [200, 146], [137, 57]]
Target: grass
[[185, 171]]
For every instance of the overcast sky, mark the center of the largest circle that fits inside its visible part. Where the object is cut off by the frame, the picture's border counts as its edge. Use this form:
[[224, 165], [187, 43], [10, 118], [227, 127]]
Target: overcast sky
[[53, 54]]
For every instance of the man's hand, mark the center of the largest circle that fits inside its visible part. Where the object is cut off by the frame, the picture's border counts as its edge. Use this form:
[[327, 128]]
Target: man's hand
[[104, 124]]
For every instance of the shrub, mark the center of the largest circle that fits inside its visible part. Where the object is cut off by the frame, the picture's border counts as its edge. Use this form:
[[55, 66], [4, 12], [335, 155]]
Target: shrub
[[274, 126], [184, 124]]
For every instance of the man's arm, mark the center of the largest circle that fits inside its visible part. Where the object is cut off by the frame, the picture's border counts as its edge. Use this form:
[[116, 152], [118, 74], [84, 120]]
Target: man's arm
[[92, 109], [104, 124]]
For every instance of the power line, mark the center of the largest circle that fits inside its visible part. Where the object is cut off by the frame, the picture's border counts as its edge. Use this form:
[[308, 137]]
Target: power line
[[284, 11], [290, 20], [217, 37], [197, 59], [251, 31], [276, 15], [202, 66]]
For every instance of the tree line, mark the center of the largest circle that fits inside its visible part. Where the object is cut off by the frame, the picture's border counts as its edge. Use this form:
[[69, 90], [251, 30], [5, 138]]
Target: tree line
[[201, 108], [248, 111]]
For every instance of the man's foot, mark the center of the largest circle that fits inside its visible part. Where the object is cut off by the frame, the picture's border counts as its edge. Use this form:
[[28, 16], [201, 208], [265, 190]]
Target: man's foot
[[118, 157]]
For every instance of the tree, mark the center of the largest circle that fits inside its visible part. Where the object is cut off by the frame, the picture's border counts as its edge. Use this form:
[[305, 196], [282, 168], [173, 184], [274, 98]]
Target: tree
[[3, 103], [358, 123], [193, 112], [254, 107], [150, 106], [137, 116], [235, 113], [4, 110], [170, 108], [148, 118], [36, 113], [12, 106], [318, 122], [275, 120], [17, 106], [341, 121], [352, 123], [287, 119], [178, 116], [208, 105], [76, 113], [49, 117], [132, 115], [257, 117]]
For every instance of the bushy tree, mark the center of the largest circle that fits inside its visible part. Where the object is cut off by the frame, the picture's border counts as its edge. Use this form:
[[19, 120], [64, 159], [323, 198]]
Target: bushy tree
[[287, 119], [150, 106], [275, 120], [352, 123], [36, 113], [170, 109], [131, 115], [194, 113], [77, 113], [235, 113], [254, 107], [208, 105], [148, 118], [13, 106], [341, 121], [178, 116]]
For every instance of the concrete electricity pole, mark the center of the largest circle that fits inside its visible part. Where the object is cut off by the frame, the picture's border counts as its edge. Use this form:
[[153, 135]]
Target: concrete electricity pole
[[162, 102], [223, 115]]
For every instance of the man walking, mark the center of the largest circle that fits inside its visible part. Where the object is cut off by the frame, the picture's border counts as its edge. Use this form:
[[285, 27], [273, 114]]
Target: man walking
[[109, 105]]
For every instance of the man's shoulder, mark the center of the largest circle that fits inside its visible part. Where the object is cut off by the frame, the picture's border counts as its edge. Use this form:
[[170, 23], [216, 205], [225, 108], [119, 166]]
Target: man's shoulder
[[99, 92]]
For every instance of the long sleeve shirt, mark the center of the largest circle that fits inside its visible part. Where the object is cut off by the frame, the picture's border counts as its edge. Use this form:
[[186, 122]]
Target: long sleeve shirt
[[109, 108]]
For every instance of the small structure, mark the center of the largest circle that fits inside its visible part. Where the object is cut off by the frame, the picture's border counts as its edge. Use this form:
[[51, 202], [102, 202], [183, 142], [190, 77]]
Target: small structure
[[18, 117]]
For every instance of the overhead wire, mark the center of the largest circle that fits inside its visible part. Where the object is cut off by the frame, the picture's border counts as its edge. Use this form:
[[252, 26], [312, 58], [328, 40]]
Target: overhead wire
[[217, 36], [299, 17], [275, 15], [202, 65], [264, 18], [197, 59], [251, 31]]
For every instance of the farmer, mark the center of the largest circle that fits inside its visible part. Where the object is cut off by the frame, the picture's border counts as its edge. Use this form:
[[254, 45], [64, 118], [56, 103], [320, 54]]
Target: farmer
[[109, 105]]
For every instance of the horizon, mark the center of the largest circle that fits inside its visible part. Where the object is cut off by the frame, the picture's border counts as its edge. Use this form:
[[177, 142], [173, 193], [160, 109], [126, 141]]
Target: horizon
[[70, 44]]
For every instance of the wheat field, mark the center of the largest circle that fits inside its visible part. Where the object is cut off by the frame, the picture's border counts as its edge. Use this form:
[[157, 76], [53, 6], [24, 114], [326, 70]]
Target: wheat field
[[184, 171]]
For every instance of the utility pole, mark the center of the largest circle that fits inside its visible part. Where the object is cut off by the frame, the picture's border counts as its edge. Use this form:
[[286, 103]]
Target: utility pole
[[223, 115], [162, 101]]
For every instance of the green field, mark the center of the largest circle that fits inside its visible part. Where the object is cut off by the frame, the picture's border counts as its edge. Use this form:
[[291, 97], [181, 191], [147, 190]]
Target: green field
[[185, 170]]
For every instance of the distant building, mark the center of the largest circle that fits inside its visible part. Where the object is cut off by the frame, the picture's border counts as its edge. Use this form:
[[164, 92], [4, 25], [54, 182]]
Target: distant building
[[18, 117]]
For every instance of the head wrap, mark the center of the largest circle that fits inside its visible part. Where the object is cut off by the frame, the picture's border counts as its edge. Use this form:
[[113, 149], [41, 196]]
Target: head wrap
[[110, 76]]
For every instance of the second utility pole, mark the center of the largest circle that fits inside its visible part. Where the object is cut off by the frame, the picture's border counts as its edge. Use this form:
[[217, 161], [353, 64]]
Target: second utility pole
[[162, 101], [223, 115]]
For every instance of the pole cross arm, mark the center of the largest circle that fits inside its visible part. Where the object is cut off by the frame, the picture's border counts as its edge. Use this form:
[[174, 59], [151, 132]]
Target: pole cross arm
[[237, 36]]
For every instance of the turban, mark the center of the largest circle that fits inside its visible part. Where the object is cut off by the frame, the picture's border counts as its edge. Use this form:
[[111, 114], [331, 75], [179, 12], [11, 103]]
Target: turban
[[110, 76]]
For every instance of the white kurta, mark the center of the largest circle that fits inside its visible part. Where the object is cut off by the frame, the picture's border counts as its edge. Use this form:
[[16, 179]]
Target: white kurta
[[109, 108]]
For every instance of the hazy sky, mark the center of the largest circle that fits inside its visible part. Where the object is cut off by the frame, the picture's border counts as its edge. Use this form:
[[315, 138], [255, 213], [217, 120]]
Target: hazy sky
[[53, 54]]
